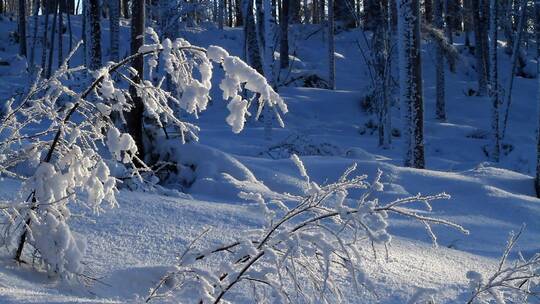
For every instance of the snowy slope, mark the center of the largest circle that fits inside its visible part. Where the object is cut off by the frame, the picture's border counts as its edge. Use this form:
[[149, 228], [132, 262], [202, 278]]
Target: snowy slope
[[131, 247]]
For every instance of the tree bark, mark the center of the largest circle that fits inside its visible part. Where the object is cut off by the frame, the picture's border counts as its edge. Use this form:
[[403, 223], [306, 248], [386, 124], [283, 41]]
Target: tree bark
[[51, 46], [134, 118], [284, 37], [411, 82], [494, 82], [22, 27], [238, 13], [440, 112], [221, 14], [294, 11], [252, 47], [331, 47], [481, 68], [95, 34], [513, 62], [114, 29], [61, 8], [344, 13]]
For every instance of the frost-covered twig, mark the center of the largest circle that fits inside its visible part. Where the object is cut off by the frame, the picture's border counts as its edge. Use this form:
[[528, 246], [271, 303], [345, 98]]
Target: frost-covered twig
[[73, 126], [300, 254], [514, 283]]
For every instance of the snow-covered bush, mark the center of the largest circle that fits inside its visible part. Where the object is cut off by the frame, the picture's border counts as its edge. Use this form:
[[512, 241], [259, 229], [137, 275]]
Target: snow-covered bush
[[55, 137], [306, 252], [517, 282]]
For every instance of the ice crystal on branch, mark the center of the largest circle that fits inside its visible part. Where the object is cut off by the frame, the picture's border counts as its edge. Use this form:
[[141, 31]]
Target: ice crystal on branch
[[76, 127], [306, 250]]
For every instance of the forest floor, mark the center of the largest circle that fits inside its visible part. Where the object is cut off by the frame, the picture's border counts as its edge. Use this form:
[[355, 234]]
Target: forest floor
[[132, 246]]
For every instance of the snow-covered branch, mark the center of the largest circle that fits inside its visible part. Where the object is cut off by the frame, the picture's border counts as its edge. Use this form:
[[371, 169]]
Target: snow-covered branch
[[305, 248], [65, 160], [515, 283]]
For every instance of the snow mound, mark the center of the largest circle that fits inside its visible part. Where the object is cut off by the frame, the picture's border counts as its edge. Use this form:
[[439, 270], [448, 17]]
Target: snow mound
[[209, 171]]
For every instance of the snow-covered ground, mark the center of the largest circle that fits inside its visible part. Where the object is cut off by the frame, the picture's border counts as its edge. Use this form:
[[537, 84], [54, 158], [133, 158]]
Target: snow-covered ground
[[132, 246]]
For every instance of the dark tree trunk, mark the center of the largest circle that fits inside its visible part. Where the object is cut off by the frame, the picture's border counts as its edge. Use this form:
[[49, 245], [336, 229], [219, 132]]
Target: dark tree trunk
[[229, 13], [440, 111], [114, 28], [372, 15], [411, 82], [450, 15], [331, 46], [467, 21], [95, 34], [284, 41], [51, 46], [428, 10], [238, 11], [494, 82], [252, 50], [134, 118], [418, 101], [294, 11], [344, 14], [34, 35], [479, 51], [61, 8], [22, 27], [70, 28]]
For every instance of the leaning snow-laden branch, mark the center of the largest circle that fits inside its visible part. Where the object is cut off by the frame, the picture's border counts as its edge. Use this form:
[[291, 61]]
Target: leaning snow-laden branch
[[515, 283], [64, 161], [306, 249], [438, 37]]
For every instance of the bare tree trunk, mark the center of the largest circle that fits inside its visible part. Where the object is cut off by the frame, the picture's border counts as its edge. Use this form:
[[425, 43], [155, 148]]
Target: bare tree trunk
[[229, 13], [467, 21], [70, 28], [513, 61], [508, 26], [494, 82], [537, 178], [284, 37], [382, 67], [238, 13], [114, 29], [449, 13], [268, 64], [478, 48], [428, 11], [134, 118], [95, 34], [344, 13], [252, 48], [84, 32], [440, 111], [411, 82], [61, 8], [51, 46], [331, 47], [315, 12], [294, 11], [34, 36], [221, 15], [22, 27]]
